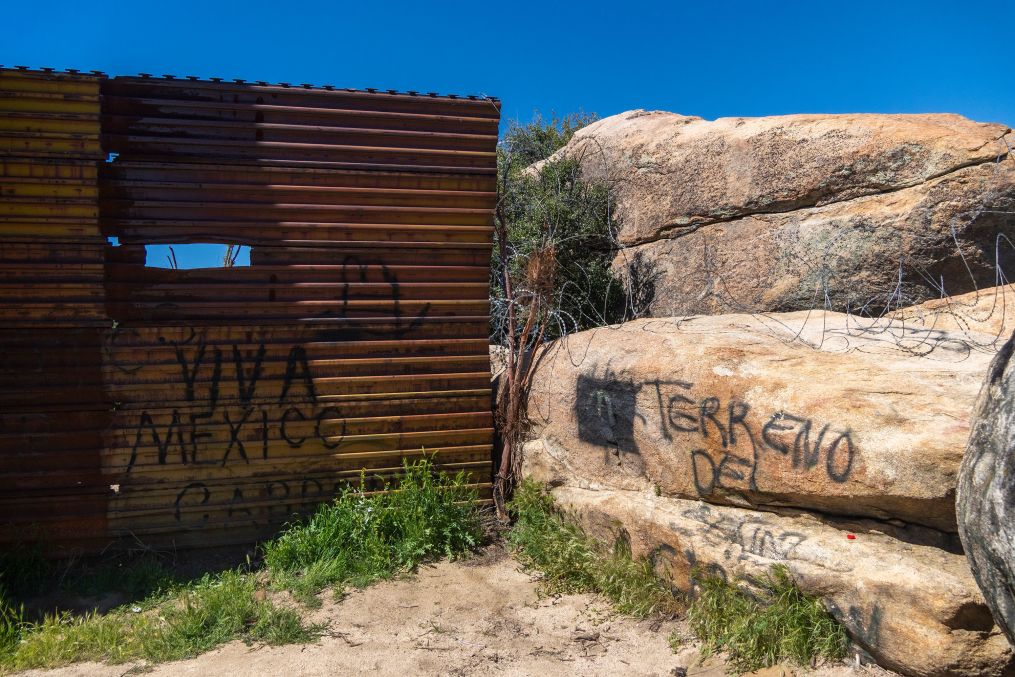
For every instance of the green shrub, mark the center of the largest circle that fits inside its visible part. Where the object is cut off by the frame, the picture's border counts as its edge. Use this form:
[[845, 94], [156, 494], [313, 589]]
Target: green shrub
[[546, 540], [362, 538], [784, 624], [558, 214]]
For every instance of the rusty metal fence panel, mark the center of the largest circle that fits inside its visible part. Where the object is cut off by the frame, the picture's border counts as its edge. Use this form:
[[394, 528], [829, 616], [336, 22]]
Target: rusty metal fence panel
[[52, 307], [237, 397]]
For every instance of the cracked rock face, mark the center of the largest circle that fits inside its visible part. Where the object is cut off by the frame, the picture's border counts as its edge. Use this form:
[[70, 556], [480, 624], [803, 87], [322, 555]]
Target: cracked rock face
[[800, 211], [985, 502]]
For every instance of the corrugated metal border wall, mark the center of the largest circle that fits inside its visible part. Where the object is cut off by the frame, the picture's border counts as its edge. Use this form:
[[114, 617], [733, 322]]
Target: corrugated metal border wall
[[229, 399]]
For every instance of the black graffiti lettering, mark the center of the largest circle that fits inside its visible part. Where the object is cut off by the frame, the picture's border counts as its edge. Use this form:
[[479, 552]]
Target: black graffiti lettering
[[753, 534], [707, 412], [698, 573], [234, 435], [738, 411], [291, 413], [195, 435], [321, 416], [803, 451], [264, 435], [711, 475], [189, 373], [246, 384], [161, 444], [205, 495], [724, 469], [664, 406], [775, 424], [307, 483], [277, 497], [870, 631], [684, 422], [664, 429], [761, 540], [737, 415], [297, 361], [270, 488], [662, 559], [830, 456], [236, 504]]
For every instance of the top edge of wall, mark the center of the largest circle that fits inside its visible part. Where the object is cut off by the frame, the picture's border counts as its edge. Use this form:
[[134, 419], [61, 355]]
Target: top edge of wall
[[239, 82]]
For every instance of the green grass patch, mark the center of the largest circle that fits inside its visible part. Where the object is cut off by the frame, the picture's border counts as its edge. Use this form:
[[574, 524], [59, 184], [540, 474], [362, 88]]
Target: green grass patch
[[182, 622], [361, 538], [356, 540], [546, 540], [12, 622], [784, 624]]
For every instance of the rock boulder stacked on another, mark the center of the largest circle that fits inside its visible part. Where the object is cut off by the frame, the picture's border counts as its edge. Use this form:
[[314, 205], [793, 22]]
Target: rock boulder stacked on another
[[734, 442], [844, 212]]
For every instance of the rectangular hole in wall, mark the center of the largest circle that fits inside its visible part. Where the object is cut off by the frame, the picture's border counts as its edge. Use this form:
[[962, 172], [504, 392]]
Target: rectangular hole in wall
[[196, 255]]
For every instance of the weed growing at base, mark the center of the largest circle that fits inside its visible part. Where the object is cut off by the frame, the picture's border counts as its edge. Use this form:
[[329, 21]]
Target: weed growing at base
[[356, 540], [546, 540], [362, 538], [786, 624]]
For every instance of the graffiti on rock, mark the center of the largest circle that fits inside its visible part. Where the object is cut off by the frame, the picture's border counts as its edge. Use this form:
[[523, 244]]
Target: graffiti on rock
[[726, 441]]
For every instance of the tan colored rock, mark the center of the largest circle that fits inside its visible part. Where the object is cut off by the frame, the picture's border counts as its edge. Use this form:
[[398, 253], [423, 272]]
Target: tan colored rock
[[915, 609], [866, 255], [988, 311], [803, 211], [673, 171], [810, 409]]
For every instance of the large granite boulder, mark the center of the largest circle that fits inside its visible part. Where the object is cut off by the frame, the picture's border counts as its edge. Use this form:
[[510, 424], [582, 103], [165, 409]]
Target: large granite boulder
[[813, 410], [914, 608], [986, 490], [845, 212]]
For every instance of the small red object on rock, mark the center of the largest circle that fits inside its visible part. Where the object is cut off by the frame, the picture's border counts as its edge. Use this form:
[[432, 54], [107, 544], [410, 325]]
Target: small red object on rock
[[851, 537]]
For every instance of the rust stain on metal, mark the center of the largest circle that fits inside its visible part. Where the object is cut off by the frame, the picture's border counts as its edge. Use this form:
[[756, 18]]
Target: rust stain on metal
[[211, 405]]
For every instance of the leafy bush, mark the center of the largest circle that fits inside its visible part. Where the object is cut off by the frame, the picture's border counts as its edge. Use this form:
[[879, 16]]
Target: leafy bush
[[557, 224], [785, 624], [362, 538], [570, 561]]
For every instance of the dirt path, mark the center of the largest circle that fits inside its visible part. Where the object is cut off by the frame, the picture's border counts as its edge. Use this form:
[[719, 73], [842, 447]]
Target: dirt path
[[479, 617]]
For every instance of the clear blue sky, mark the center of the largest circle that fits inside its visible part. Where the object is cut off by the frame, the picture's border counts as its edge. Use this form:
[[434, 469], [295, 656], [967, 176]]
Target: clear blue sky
[[704, 58]]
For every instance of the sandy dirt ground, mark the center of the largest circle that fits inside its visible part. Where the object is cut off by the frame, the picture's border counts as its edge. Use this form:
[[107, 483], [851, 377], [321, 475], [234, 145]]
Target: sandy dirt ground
[[482, 616]]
